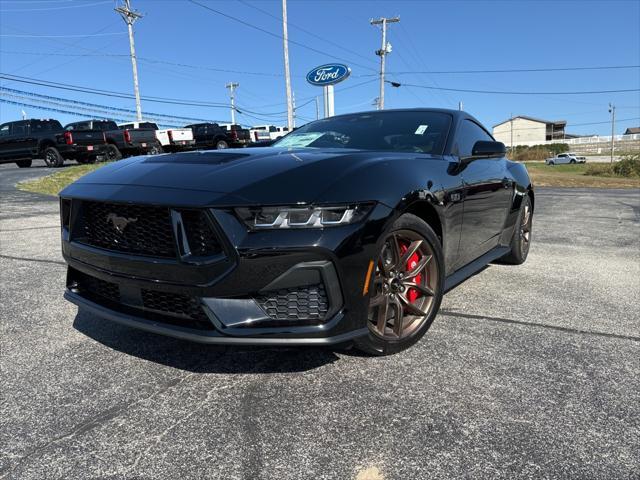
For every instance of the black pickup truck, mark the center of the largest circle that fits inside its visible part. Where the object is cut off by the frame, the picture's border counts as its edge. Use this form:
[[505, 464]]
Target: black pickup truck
[[120, 141], [25, 140], [212, 135]]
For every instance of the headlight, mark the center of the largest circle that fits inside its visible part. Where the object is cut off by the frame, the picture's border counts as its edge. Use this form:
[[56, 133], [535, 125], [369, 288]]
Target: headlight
[[258, 218]]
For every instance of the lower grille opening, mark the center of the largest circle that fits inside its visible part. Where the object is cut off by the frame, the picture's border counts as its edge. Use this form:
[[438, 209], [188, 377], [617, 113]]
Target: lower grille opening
[[162, 307], [307, 304]]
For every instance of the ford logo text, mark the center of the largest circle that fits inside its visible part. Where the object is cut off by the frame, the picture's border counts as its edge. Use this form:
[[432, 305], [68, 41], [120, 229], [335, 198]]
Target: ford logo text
[[328, 74]]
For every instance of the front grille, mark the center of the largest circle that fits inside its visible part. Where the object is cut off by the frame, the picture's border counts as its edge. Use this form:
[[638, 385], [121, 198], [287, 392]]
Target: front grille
[[202, 240], [299, 303], [93, 287], [162, 307], [135, 229], [174, 304]]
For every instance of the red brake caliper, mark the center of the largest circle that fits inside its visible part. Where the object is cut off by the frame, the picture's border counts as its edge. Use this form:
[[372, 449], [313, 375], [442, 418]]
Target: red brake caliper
[[412, 294]]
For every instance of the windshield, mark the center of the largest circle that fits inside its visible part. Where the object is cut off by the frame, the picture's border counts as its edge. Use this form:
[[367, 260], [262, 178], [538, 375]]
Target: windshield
[[401, 131]]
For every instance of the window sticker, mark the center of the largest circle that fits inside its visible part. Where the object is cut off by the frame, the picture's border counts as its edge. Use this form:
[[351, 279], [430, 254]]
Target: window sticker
[[299, 139], [421, 129]]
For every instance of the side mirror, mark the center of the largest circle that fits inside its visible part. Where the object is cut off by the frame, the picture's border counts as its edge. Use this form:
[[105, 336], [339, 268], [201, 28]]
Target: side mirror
[[487, 149]]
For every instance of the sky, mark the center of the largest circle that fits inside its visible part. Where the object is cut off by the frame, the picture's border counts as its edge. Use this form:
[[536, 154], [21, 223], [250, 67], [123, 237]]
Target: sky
[[188, 53]]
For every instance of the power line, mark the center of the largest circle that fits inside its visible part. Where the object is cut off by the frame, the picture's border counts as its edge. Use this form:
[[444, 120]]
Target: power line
[[498, 92], [103, 107], [16, 35], [519, 70], [79, 5], [326, 40], [275, 35]]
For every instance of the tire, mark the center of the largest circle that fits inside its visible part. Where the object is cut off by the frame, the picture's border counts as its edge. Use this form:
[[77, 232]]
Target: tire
[[24, 163], [391, 295], [113, 154], [155, 150], [551, 164], [221, 144], [52, 157], [572, 162], [521, 240]]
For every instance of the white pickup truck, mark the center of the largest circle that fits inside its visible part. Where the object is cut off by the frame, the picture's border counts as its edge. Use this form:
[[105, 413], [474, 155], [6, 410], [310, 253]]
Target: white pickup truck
[[565, 158], [267, 132], [171, 139]]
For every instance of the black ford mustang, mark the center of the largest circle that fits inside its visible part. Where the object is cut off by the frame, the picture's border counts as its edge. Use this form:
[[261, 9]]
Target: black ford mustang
[[348, 230]]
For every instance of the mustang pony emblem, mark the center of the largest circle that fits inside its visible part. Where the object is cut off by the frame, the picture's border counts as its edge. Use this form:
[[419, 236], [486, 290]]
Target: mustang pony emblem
[[120, 223]]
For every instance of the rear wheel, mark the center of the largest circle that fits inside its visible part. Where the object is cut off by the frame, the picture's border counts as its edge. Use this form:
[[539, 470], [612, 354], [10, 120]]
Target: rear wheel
[[407, 287], [112, 153], [52, 157], [522, 236], [155, 149], [572, 161], [221, 144], [24, 163]]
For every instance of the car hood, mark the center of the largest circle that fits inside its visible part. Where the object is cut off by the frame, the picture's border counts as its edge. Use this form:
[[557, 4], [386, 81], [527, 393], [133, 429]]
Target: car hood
[[250, 176]]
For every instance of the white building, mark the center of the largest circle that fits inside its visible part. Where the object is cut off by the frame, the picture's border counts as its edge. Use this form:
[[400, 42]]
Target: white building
[[523, 130]]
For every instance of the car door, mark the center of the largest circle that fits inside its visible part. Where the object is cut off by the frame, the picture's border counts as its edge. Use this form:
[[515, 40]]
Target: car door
[[487, 194], [5, 141], [19, 141]]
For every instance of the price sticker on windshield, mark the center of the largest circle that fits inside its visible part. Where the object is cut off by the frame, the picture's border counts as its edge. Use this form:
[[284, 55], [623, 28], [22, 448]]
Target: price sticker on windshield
[[421, 129]]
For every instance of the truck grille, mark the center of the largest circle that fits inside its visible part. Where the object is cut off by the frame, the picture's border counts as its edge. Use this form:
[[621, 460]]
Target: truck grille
[[143, 230], [299, 303], [140, 230]]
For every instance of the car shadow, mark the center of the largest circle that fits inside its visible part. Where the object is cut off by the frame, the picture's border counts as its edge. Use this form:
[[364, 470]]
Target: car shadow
[[202, 358]]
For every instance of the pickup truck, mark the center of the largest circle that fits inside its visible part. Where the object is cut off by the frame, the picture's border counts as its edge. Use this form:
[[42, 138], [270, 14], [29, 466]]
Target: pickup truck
[[214, 136], [238, 136], [25, 140], [171, 139], [267, 132], [565, 158], [121, 142]]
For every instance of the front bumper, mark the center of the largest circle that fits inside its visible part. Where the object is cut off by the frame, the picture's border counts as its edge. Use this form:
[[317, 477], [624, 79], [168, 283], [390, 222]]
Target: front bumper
[[324, 271]]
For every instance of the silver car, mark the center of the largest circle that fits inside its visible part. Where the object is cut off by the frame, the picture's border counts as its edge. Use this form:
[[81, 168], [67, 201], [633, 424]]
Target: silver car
[[565, 158]]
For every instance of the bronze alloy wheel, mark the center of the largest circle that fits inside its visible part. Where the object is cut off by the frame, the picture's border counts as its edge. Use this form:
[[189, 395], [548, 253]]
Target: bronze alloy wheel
[[404, 286], [525, 229]]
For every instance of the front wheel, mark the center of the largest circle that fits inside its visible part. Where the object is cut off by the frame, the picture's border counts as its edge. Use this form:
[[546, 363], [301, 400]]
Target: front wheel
[[406, 289], [572, 162], [521, 236], [24, 163], [52, 157], [221, 144]]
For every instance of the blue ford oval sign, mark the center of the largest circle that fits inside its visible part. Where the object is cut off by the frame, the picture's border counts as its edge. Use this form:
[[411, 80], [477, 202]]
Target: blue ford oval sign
[[328, 74]]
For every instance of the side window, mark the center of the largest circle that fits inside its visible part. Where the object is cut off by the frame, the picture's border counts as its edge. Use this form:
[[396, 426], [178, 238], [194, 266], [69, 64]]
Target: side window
[[5, 130], [470, 133], [20, 129]]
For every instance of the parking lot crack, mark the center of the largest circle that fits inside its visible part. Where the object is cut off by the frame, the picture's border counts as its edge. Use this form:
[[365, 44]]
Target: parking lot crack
[[99, 420], [453, 313], [38, 260]]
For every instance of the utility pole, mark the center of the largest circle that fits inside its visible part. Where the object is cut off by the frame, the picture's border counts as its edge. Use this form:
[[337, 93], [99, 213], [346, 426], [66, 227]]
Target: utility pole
[[460, 106], [287, 76], [130, 16], [385, 49], [612, 111], [232, 94]]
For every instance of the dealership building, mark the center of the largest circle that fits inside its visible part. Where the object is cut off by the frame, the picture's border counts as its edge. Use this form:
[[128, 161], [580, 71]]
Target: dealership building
[[523, 130]]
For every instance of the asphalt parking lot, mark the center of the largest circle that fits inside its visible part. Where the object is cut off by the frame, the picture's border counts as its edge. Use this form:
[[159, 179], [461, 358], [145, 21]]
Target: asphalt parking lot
[[528, 372]]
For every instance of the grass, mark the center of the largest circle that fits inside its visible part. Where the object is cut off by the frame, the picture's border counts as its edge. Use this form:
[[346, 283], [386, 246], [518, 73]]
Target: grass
[[576, 176], [52, 184]]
